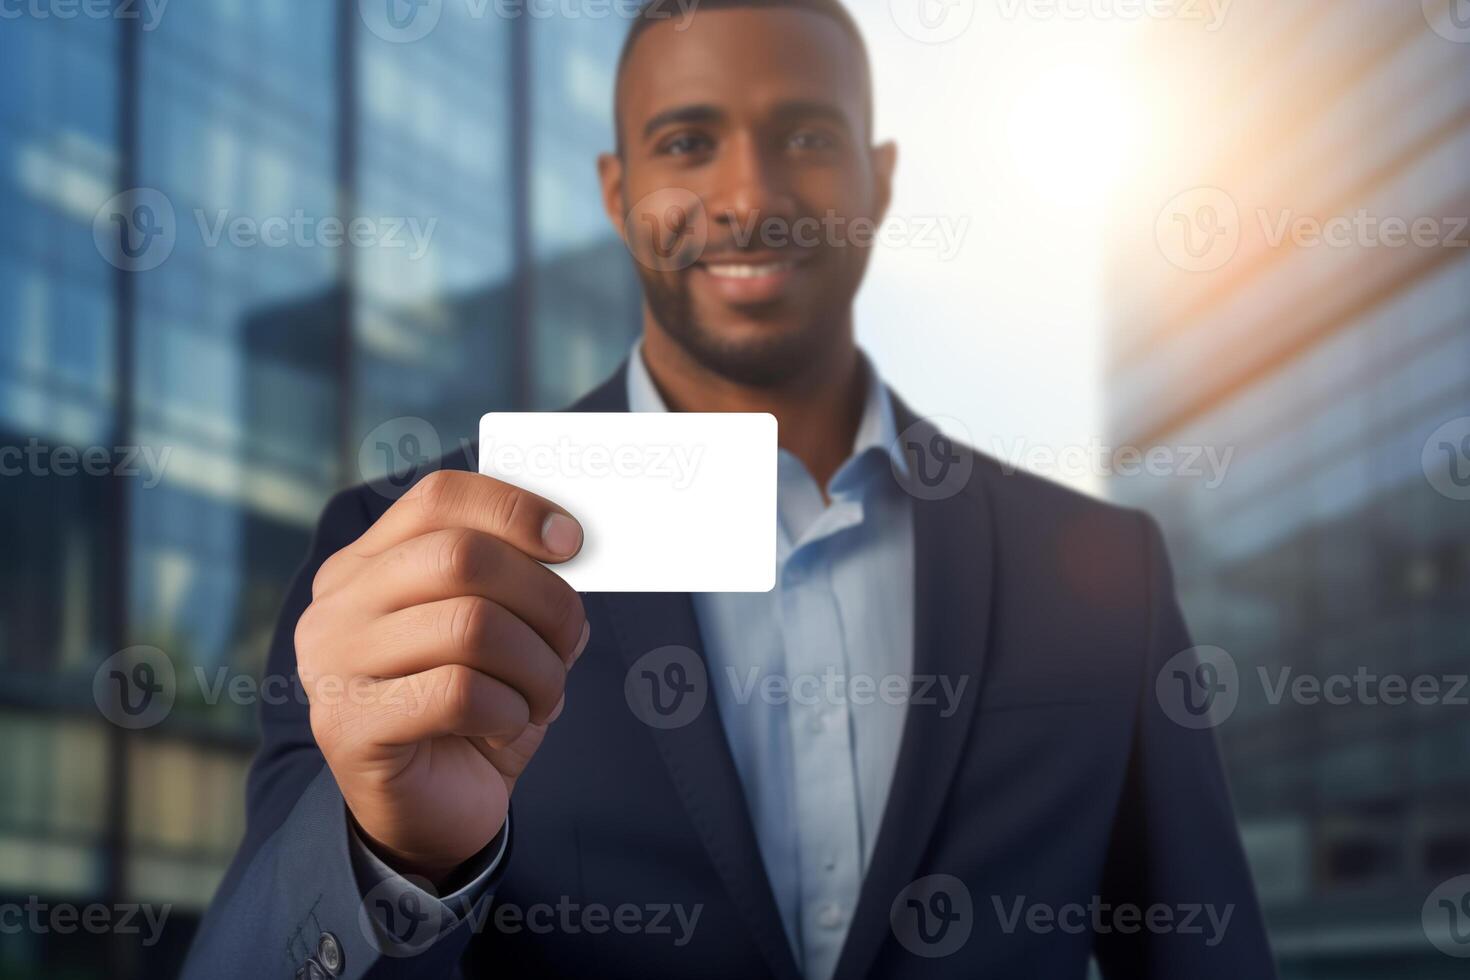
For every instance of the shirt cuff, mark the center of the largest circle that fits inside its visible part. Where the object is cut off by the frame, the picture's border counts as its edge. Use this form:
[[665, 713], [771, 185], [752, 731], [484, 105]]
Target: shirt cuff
[[374, 875]]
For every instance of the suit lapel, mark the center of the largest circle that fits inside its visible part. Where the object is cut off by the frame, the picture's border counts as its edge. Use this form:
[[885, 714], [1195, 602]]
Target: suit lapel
[[953, 562], [697, 755]]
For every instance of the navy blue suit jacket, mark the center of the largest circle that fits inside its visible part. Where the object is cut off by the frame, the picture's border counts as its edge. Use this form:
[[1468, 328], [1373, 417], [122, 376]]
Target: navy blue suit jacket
[[1059, 788]]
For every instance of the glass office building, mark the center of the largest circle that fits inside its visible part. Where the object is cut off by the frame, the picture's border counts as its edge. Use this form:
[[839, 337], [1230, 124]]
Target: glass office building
[[1266, 302], [233, 387]]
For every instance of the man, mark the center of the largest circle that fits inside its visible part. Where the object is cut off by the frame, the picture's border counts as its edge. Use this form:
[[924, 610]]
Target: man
[[993, 788]]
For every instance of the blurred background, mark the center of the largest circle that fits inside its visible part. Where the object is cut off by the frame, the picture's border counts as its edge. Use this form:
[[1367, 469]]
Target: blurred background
[[1205, 257]]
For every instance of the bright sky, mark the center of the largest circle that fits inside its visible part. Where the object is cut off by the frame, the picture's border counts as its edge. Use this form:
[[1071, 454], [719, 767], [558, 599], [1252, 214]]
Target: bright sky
[[1011, 136]]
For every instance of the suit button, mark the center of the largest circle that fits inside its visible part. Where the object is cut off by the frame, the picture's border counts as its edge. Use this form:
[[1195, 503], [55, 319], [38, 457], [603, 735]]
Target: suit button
[[310, 970], [329, 954]]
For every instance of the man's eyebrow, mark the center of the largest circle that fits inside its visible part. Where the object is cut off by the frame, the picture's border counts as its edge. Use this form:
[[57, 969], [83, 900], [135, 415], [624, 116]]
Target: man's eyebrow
[[684, 114], [810, 109]]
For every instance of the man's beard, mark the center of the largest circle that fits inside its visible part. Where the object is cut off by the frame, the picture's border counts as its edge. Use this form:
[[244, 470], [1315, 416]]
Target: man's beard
[[766, 362]]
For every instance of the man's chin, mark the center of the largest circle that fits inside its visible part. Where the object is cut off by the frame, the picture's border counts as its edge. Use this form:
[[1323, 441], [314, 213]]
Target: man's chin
[[750, 350]]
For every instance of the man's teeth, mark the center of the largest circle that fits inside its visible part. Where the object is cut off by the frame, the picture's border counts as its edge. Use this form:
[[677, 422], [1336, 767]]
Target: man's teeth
[[731, 270]]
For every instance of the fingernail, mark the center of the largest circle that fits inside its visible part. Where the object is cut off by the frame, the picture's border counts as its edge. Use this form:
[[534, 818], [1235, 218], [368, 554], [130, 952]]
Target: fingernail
[[561, 535], [556, 712], [582, 643]]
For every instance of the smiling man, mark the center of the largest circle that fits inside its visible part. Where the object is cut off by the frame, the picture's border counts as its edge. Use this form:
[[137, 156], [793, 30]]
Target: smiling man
[[947, 743]]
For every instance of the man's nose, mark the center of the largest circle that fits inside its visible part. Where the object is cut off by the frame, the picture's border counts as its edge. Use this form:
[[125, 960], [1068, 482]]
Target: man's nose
[[750, 185]]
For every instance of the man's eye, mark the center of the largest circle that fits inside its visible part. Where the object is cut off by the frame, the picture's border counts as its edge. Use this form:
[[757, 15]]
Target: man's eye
[[685, 145], [810, 140]]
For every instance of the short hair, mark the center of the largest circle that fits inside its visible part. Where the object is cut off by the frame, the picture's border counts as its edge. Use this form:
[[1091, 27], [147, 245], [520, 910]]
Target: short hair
[[653, 12]]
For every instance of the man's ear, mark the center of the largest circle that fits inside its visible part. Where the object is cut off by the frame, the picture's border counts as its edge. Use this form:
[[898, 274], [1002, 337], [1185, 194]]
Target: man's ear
[[884, 160], [610, 175]]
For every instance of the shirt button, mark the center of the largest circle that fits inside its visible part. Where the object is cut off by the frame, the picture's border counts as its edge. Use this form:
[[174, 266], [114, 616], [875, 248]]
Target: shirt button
[[830, 917], [830, 862]]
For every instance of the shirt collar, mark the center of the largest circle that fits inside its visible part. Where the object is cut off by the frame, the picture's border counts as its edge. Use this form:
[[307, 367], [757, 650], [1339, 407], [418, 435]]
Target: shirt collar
[[877, 429]]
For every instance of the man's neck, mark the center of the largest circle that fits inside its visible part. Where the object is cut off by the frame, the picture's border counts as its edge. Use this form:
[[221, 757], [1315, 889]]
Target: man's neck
[[817, 410]]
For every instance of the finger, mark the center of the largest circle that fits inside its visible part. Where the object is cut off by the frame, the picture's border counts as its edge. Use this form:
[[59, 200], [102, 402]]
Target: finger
[[457, 562], [471, 631], [447, 700], [453, 498]]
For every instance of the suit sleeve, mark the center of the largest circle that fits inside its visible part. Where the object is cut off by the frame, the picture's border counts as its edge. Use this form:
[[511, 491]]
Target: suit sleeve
[[1175, 846], [296, 891]]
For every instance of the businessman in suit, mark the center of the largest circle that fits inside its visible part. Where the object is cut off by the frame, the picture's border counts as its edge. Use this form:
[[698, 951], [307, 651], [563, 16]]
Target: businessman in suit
[[992, 786]]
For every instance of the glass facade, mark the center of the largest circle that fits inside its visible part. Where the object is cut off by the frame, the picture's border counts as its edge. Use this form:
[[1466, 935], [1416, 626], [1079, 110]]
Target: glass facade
[[1318, 353], [367, 225]]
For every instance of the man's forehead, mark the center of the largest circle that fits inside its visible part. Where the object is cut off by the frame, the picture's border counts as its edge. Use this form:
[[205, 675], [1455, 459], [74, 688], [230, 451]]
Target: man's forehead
[[748, 58]]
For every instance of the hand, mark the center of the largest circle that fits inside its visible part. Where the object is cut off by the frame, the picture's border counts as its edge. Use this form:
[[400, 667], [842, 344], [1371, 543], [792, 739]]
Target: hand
[[434, 654]]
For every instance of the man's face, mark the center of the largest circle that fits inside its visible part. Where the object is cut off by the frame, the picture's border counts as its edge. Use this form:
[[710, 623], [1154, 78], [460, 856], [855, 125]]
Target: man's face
[[746, 188]]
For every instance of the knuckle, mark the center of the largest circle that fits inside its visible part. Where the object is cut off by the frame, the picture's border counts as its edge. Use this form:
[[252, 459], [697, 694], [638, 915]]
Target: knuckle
[[458, 556], [457, 693], [568, 616], [436, 493], [505, 505], [470, 623]]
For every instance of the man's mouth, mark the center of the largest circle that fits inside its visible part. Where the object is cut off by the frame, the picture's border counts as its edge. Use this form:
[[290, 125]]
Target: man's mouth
[[741, 280]]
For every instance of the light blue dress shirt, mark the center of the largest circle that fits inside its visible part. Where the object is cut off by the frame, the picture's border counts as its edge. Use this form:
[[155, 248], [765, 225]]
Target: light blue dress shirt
[[811, 680], [811, 677]]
